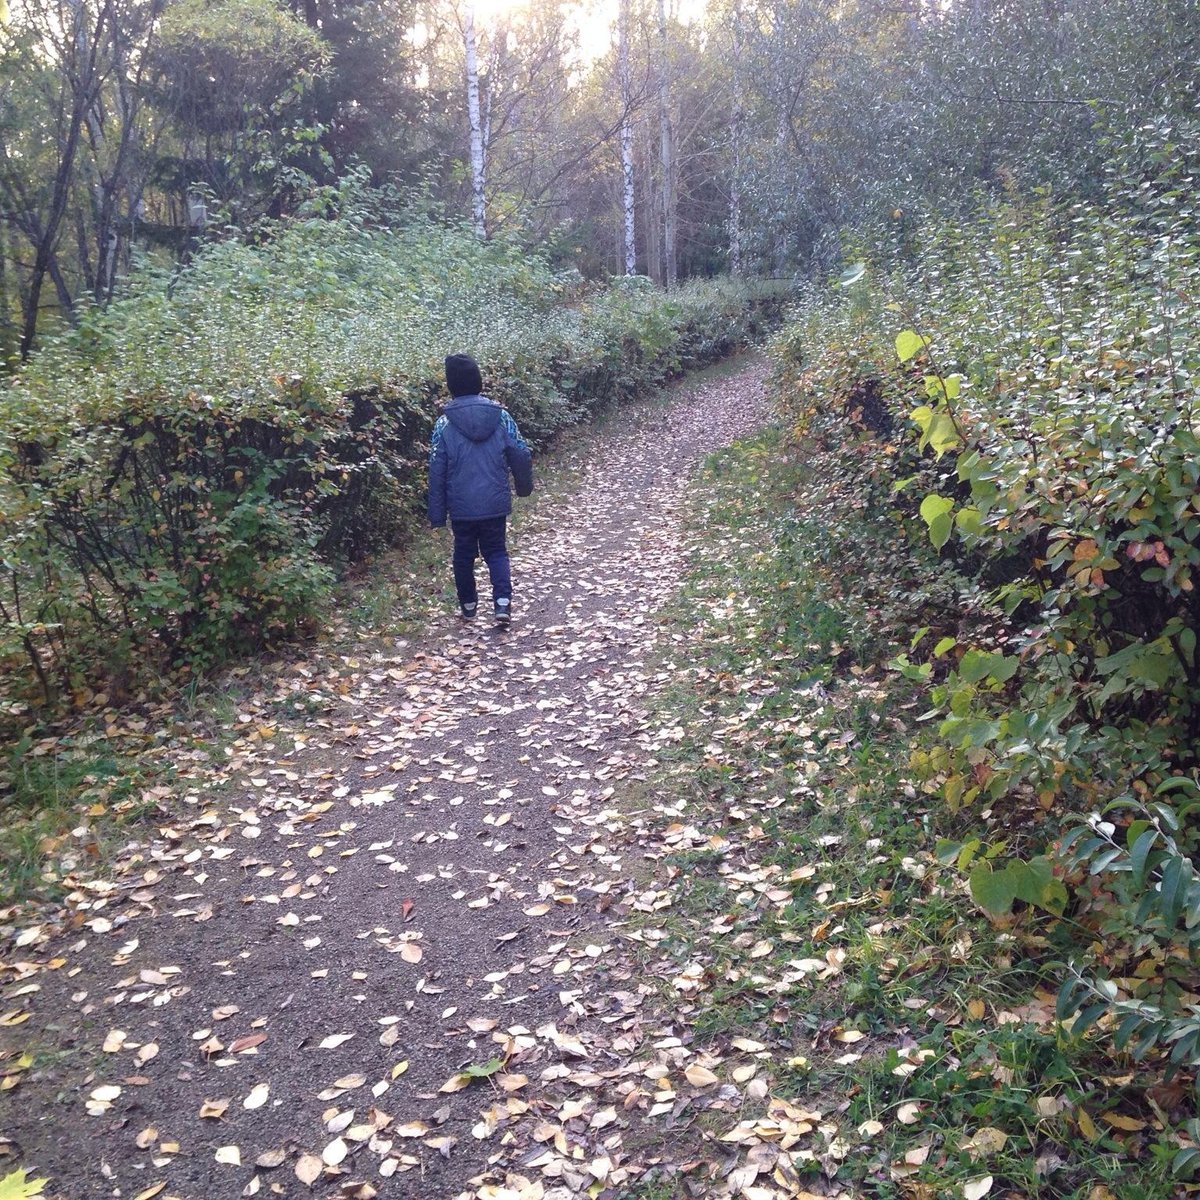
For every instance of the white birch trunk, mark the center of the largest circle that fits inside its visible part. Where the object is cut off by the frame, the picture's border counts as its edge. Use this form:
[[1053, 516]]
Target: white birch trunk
[[667, 147], [626, 138], [737, 133], [477, 176]]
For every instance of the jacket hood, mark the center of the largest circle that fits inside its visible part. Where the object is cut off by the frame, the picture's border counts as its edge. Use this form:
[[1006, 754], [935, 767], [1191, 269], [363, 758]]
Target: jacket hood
[[475, 417]]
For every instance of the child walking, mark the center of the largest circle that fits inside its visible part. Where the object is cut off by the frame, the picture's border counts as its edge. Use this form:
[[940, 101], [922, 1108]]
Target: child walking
[[475, 447]]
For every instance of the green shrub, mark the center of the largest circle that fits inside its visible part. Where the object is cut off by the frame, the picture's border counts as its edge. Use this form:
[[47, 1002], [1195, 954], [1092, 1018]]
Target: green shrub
[[182, 474], [1039, 369]]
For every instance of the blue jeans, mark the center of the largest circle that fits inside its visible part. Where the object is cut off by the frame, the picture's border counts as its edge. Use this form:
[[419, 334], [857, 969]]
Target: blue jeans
[[486, 538]]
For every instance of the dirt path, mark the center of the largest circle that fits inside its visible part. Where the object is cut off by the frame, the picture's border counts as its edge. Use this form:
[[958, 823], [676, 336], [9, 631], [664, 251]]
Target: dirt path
[[413, 880]]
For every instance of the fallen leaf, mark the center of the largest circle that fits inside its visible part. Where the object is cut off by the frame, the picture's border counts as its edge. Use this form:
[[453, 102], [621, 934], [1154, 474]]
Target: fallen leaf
[[309, 1168], [1120, 1121], [335, 1152]]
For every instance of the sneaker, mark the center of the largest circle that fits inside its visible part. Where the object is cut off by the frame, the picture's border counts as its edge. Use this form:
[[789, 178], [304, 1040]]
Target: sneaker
[[503, 611], [468, 610]]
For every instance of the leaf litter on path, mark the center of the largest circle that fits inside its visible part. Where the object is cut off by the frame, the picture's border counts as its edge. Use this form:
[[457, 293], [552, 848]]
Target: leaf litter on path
[[411, 871]]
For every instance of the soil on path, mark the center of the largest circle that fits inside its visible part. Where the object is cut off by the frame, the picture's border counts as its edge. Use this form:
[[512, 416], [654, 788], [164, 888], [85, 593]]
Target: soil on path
[[388, 961]]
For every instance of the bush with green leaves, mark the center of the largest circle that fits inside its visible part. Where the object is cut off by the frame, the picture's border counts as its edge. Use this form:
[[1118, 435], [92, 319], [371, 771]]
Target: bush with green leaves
[[1040, 367], [183, 473]]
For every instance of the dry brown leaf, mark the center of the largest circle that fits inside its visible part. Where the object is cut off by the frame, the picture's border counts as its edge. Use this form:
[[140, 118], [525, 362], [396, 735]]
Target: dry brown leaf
[[248, 1042]]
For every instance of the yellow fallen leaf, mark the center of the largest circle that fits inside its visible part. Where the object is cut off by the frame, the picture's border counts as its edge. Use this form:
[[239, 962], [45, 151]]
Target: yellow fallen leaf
[[150, 1192], [1086, 1125], [976, 1189], [1120, 1121], [986, 1141], [699, 1076], [909, 1114], [850, 1035]]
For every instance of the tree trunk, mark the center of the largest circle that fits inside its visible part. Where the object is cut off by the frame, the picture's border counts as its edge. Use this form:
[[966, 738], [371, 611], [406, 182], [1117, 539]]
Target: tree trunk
[[667, 151], [626, 138], [7, 324], [83, 92], [477, 178], [651, 193], [736, 136]]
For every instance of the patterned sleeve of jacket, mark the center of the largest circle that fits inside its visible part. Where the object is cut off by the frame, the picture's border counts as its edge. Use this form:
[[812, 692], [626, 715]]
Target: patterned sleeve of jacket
[[437, 474], [517, 452]]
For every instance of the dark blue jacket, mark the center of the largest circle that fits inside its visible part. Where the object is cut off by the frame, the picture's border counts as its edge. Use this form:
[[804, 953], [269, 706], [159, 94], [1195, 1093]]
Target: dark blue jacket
[[475, 446]]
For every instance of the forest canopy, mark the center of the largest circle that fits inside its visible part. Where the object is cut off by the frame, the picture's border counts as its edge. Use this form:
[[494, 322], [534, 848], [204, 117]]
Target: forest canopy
[[748, 137]]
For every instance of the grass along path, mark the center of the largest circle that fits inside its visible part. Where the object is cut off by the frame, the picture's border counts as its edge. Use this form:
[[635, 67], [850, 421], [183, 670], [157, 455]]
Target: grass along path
[[868, 1030]]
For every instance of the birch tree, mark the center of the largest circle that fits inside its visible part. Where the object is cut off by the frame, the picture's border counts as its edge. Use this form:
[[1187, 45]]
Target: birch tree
[[627, 191], [669, 168], [478, 195], [736, 136]]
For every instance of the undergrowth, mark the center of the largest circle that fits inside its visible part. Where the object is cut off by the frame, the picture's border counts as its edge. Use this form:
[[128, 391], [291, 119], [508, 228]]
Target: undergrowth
[[815, 914]]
